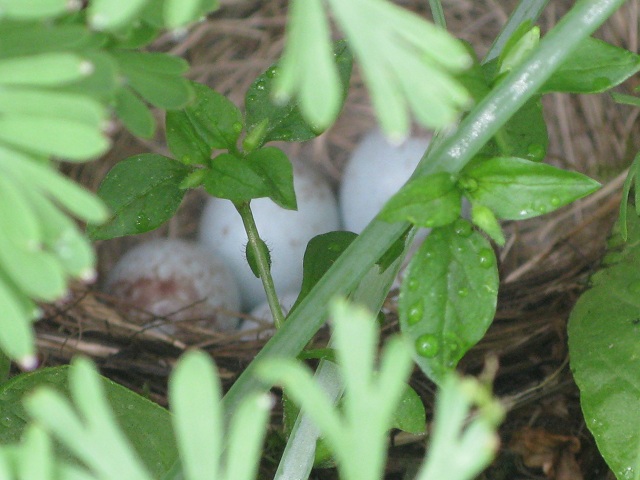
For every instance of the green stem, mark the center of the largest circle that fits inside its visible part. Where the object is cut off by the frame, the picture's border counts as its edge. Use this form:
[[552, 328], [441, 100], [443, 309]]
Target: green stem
[[438, 13], [453, 154], [262, 262]]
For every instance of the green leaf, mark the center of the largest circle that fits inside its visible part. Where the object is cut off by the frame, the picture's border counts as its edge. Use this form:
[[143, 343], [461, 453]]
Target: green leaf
[[308, 66], [137, 35], [430, 201], [44, 69], [286, 121], [625, 99], [276, 172], [410, 415], [36, 459], [397, 50], [595, 66], [34, 9], [17, 339], [134, 114], [233, 178], [484, 219], [520, 44], [515, 189], [210, 122], [195, 402], [178, 13], [156, 77], [28, 38], [448, 297], [603, 344], [68, 139], [52, 105], [524, 135], [113, 14], [142, 192], [321, 252]]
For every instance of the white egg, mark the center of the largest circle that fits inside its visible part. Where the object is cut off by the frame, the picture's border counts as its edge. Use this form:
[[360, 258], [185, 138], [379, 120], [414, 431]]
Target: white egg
[[263, 317], [376, 170], [286, 233], [176, 280]]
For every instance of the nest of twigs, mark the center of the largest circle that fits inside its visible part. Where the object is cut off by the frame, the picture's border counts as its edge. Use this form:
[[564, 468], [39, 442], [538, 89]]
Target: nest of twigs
[[543, 267]]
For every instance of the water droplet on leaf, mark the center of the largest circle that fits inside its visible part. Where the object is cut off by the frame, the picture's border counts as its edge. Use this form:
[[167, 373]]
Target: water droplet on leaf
[[261, 84], [427, 345], [252, 98], [463, 292], [555, 201], [237, 127], [462, 227], [272, 72], [414, 315], [486, 258]]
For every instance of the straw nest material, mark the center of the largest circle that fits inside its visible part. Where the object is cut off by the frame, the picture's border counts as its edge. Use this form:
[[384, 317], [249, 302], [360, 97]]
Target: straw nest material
[[543, 267]]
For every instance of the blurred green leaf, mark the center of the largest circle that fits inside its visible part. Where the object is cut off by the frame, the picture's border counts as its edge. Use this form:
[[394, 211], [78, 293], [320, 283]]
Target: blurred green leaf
[[29, 38], [430, 201], [137, 35], [484, 219], [36, 461], [103, 79], [113, 14], [308, 67], [276, 172], [43, 69], [178, 13], [67, 139], [35, 9], [397, 50], [142, 192], [17, 339], [210, 122], [134, 114], [595, 66], [448, 297], [515, 189], [195, 403], [603, 344], [286, 121], [157, 77], [525, 38]]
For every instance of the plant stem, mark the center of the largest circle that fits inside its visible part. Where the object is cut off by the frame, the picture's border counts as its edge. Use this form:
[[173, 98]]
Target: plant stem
[[438, 13], [262, 262], [453, 154]]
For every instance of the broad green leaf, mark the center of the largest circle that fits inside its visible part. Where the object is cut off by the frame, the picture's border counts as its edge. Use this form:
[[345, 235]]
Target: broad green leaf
[[307, 65], [595, 66], [67, 139], [157, 77], [17, 339], [448, 297], [113, 14], [430, 201], [524, 135], [233, 178], [146, 425], [142, 192], [178, 13], [397, 50], [52, 105], [410, 415], [47, 69], [286, 121], [211, 121], [276, 171], [321, 252], [515, 189], [34, 9], [134, 114], [603, 343], [197, 415]]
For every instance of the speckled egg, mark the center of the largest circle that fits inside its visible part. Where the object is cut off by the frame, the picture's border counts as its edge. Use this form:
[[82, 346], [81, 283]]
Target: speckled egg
[[175, 283], [285, 232], [376, 170]]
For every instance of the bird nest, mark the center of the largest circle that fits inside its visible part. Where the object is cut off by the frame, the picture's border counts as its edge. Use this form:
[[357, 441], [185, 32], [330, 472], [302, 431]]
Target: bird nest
[[543, 267]]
